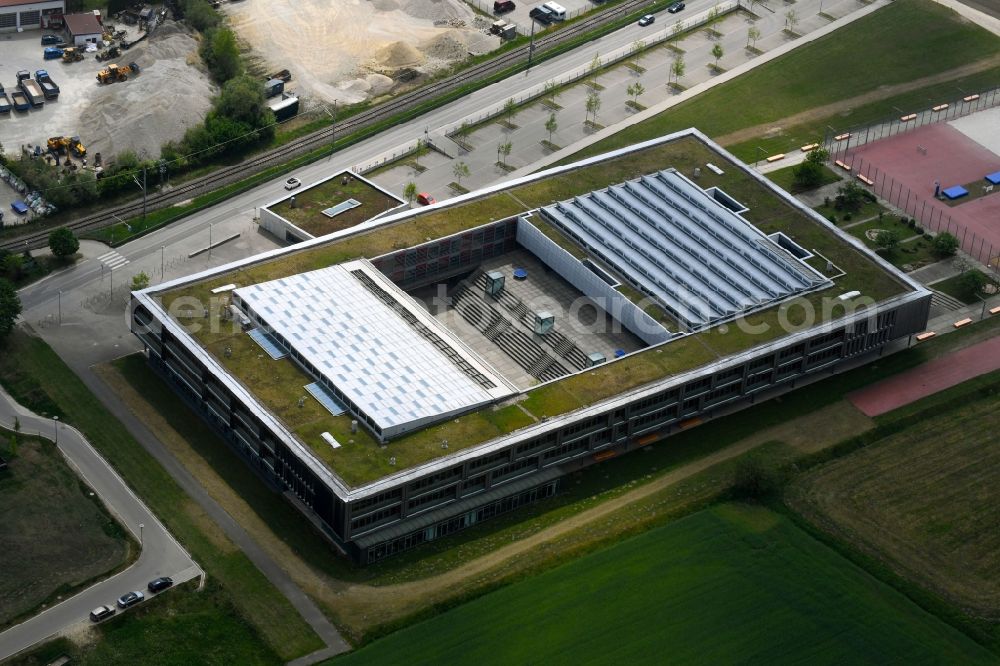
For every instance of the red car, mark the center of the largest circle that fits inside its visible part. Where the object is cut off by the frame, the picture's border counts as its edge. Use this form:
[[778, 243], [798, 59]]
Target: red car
[[425, 199]]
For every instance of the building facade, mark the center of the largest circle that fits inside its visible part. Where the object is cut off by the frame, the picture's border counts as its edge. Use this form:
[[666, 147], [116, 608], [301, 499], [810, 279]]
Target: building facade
[[17, 15]]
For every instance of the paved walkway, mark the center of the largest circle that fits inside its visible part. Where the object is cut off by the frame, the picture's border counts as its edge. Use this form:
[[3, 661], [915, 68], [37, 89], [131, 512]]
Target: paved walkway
[[161, 554], [929, 378]]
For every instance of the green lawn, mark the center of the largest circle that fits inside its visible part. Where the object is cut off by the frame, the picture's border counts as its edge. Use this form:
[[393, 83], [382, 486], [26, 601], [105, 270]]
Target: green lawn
[[181, 627], [311, 201], [953, 286], [785, 179], [57, 537], [39, 379], [727, 585], [908, 40]]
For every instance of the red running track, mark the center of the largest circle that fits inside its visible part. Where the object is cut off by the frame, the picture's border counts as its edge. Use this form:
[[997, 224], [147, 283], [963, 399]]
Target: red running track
[[929, 378]]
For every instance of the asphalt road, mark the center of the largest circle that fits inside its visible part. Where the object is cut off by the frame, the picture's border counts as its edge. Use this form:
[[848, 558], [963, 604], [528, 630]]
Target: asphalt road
[[161, 554]]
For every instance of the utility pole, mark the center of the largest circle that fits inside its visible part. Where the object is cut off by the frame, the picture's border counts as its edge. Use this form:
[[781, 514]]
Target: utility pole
[[60, 307], [161, 262], [531, 46]]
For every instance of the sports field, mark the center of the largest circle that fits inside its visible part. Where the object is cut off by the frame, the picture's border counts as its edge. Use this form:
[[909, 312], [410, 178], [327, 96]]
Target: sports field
[[732, 584], [925, 500]]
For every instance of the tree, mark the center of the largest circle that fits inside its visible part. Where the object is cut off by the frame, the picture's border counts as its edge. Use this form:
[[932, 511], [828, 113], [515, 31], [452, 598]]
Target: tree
[[677, 29], [221, 54], [13, 266], [791, 20], [464, 129], [638, 50], [140, 281], [551, 91], [410, 192], [717, 53], [551, 125], [973, 282], [10, 307], [887, 240], [677, 68], [510, 109], [809, 173], [503, 152], [63, 243], [945, 244], [634, 90], [754, 479], [713, 15], [753, 34], [850, 197], [460, 170], [593, 105], [595, 69]]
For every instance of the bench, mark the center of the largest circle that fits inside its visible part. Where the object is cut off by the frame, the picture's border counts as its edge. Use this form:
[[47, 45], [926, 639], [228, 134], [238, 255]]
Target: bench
[[808, 147], [995, 310], [775, 158], [865, 179], [962, 322], [714, 169], [970, 98], [841, 137], [925, 336], [940, 107], [843, 166], [906, 119]]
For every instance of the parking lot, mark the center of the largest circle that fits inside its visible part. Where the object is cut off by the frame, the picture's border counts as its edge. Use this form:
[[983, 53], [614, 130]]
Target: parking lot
[[520, 17]]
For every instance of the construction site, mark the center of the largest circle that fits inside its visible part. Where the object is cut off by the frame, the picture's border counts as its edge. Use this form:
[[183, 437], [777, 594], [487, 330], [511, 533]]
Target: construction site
[[135, 94], [362, 50]]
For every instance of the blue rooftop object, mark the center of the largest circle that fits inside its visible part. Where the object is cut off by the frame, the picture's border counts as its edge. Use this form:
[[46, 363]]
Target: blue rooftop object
[[955, 192], [268, 344], [520, 274], [994, 178]]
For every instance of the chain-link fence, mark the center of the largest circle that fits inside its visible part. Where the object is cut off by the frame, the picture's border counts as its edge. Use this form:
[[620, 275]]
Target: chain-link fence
[[840, 141], [930, 213]]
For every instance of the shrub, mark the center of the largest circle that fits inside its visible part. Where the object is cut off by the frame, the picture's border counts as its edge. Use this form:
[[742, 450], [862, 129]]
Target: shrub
[[945, 244], [848, 217], [833, 218], [63, 243]]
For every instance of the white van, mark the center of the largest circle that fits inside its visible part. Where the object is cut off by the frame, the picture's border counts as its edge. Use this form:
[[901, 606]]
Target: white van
[[558, 11]]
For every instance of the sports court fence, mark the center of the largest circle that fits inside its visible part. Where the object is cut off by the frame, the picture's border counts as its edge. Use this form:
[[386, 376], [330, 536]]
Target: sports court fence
[[840, 141], [929, 213]]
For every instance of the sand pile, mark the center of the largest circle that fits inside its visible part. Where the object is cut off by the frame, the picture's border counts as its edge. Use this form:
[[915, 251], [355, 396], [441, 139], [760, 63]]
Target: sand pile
[[333, 48], [153, 107], [398, 55]]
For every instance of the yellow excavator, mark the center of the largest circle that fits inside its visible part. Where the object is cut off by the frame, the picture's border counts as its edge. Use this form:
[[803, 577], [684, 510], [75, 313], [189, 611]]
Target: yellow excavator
[[115, 72], [60, 144], [71, 55]]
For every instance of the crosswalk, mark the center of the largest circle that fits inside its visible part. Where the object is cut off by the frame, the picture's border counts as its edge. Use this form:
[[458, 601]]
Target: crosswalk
[[112, 260]]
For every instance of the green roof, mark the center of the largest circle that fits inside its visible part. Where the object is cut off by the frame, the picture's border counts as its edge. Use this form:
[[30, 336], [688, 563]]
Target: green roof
[[361, 459]]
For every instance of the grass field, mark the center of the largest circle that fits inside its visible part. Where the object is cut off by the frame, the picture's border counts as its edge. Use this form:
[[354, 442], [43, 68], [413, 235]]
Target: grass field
[[38, 379], [785, 179], [179, 628], [955, 286], [926, 500], [56, 537], [900, 37], [728, 585]]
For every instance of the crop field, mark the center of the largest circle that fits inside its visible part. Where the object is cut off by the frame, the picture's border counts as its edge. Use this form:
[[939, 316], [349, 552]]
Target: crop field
[[55, 537], [730, 584], [925, 500]]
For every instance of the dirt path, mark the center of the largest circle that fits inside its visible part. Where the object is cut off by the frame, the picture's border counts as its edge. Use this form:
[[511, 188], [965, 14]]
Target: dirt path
[[835, 108]]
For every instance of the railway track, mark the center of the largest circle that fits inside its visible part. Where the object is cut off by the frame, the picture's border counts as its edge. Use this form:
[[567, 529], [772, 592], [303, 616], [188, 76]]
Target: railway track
[[306, 143]]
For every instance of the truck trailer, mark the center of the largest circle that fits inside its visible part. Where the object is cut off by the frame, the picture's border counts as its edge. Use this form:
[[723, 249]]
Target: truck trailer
[[49, 86], [5, 105], [30, 88], [20, 101]]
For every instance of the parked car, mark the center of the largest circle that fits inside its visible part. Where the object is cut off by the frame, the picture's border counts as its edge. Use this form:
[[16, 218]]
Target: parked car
[[425, 199], [130, 599], [503, 6], [647, 20], [292, 183], [101, 613], [51, 40], [541, 14], [160, 584], [676, 7]]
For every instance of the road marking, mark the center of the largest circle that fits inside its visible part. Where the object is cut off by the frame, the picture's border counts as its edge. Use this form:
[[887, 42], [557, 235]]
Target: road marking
[[112, 260]]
